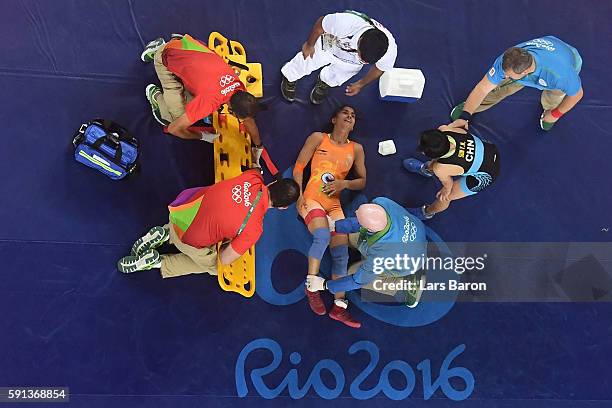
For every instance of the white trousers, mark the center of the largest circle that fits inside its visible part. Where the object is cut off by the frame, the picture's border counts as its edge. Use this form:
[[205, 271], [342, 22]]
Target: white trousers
[[335, 73]]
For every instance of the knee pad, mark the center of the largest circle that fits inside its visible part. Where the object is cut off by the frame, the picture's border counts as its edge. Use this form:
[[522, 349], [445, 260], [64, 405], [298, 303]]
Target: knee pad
[[340, 258], [320, 241], [312, 214]]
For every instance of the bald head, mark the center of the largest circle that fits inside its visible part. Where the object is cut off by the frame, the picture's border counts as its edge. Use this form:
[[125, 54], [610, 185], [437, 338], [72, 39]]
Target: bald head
[[372, 217]]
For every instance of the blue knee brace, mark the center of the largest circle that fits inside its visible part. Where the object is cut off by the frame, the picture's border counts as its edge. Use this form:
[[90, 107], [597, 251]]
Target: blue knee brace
[[320, 241], [340, 257]]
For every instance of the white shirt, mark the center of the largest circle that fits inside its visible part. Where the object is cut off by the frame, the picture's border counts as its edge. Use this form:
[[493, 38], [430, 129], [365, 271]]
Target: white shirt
[[347, 28]]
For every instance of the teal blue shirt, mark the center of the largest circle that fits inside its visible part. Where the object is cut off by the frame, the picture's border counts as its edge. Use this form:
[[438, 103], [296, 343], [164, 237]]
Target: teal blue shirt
[[557, 66], [405, 234]]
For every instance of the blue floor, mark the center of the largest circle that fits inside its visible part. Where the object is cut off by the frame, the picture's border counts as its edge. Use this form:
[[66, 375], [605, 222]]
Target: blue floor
[[70, 319]]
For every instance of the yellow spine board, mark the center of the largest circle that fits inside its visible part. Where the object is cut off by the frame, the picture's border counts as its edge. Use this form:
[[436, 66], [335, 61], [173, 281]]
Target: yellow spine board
[[232, 153], [234, 51]]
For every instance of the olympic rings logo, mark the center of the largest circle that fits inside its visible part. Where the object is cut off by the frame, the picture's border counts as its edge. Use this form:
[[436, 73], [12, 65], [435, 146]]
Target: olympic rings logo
[[413, 232], [226, 80], [237, 194], [410, 231]]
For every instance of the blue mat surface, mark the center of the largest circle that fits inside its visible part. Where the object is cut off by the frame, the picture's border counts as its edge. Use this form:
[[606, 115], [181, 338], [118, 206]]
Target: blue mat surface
[[70, 319]]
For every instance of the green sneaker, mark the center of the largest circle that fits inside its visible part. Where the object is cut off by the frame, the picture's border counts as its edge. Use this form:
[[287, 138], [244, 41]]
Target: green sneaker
[[457, 111], [147, 260], [414, 296], [152, 91], [546, 125], [150, 49], [154, 238]]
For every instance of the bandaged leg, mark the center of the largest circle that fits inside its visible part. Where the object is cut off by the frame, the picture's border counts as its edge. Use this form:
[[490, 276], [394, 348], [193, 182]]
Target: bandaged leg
[[320, 242], [340, 257], [315, 218], [338, 249]]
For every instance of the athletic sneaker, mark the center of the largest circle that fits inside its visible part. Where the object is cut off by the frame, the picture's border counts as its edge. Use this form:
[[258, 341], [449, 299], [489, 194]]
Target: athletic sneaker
[[154, 238], [416, 166], [545, 125], [319, 92], [414, 296], [315, 302], [342, 315], [152, 91], [288, 89], [457, 111], [420, 213], [147, 260], [149, 51]]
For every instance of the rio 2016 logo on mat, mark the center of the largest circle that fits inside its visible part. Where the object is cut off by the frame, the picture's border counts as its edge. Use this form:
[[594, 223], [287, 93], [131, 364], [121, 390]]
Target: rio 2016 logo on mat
[[291, 381]]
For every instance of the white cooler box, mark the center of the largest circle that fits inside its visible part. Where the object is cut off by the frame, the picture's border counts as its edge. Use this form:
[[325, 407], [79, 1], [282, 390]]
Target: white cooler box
[[401, 85]]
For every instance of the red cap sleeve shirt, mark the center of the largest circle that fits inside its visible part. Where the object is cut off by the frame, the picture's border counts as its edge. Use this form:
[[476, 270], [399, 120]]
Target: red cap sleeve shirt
[[204, 74], [222, 210]]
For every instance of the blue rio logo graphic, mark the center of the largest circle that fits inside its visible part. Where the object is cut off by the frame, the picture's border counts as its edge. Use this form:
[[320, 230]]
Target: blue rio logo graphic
[[291, 381]]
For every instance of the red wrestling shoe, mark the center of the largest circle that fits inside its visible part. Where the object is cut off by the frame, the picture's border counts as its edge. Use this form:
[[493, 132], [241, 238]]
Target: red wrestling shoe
[[315, 302], [342, 315]]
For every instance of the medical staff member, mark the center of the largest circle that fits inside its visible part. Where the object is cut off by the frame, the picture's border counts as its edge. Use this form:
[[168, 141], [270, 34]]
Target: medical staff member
[[230, 211], [545, 63], [187, 64], [342, 43], [386, 230]]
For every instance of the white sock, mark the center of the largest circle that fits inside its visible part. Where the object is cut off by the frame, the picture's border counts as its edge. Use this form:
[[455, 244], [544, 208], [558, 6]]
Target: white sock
[[343, 303]]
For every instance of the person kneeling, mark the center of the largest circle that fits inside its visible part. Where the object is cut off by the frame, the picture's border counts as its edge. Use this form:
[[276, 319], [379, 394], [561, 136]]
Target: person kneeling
[[386, 230], [454, 153], [231, 210]]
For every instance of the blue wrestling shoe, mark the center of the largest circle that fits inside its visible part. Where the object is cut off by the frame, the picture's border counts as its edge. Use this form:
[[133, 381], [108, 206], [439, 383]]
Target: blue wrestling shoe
[[420, 213], [416, 166]]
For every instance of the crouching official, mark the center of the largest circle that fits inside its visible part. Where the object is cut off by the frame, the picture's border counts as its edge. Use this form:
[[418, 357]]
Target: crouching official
[[385, 230]]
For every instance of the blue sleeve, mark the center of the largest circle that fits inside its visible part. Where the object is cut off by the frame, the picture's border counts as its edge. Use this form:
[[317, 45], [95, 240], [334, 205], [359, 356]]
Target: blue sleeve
[[347, 225], [496, 73], [572, 84], [343, 284], [351, 282]]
